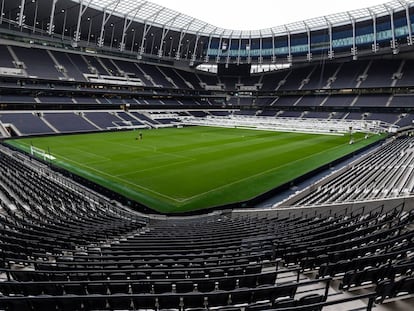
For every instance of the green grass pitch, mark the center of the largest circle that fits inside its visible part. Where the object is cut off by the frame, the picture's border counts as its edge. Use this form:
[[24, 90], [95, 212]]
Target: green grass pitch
[[179, 170]]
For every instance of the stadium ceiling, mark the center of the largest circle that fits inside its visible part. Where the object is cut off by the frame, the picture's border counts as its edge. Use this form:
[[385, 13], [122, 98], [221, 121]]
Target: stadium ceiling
[[156, 15]]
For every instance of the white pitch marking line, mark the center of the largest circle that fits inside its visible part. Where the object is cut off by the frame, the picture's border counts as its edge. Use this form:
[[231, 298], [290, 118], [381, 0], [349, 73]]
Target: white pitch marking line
[[123, 180], [258, 174], [154, 168]]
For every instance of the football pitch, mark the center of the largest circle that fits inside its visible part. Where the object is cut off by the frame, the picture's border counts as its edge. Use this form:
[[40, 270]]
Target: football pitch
[[179, 170]]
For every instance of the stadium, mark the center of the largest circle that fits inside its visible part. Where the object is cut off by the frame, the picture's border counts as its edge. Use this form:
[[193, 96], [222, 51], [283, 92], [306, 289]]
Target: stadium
[[152, 161]]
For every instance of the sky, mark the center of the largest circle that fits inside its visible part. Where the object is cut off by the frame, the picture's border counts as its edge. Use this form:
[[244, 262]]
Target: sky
[[254, 15]]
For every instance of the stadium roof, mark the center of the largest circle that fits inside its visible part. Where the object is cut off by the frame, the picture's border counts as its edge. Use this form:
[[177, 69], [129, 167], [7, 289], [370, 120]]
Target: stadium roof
[[157, 15]]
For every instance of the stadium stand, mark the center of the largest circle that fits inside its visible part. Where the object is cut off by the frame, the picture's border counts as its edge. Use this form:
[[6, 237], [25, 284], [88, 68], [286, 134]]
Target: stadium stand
[[348, 75], [386, 172], [68, 122], [27, 123], [340, 100], [37, 63], [368, 100], [164, 263], [102, 120], [380, 73], [406, 78], [157, 77], [341, 241]]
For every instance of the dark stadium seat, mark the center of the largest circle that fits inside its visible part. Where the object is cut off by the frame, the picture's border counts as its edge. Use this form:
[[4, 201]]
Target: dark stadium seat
[[284, 302], [71, 303], [218, 298], [118, 288], [248, 281], [169, 301], [119, 302], [264, 293], [205, 286], [41, 304], [266, 279], [17, 305], [312, 299], [141, 288], [405, 286], [97, 288], [194, 301], [242, 295], [96, 302], [177, 274], [384, 290], [75, 289], [162, 287], [227, 283], [185, 286], [258, 306]]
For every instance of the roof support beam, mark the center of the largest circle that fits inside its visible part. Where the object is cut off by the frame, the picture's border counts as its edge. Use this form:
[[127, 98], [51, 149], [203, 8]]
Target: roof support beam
[[133, 40], [219, 49], [273, 60], [229, 49], [393, 42], [239, 51], [105, 18], [112, 36], [65, 17], [21, 13], [249, 54], [207, 57], [410, 31], [165, 31], [331, 51], [147, 28], [308, 33], [289, 56], [127, 24], [354, 49], [89, 30], [261, 49], [51, 27], [210, 38], [35, 16], [194, 54], [180, 41], [2, 12], [375, 46], [82, 9]]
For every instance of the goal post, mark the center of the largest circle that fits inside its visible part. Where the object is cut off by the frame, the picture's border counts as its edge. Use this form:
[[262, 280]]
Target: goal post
[[41, 153]]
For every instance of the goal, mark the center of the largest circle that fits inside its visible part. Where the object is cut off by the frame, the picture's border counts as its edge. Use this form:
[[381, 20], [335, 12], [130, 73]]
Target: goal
[[41, 153]]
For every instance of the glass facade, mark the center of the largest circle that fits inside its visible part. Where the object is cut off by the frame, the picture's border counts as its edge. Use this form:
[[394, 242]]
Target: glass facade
[[342, 40]]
